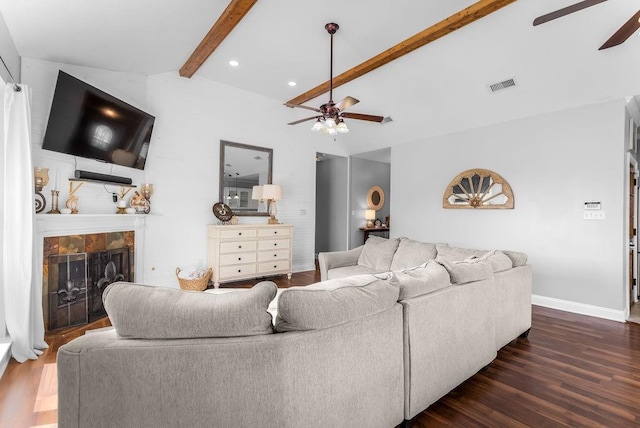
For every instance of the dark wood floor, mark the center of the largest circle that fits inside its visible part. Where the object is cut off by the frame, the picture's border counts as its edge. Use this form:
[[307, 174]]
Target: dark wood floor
[[573, 370]]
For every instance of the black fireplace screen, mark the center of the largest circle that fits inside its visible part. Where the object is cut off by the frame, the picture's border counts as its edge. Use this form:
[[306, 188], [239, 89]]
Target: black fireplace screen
[[77, 281]]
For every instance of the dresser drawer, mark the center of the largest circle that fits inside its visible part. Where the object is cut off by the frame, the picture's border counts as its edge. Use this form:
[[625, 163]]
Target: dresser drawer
[[263, 256], [273, 244], [274, 231], [238, 270], [237, 246], [237, 233], [237, 258], [275, 266]]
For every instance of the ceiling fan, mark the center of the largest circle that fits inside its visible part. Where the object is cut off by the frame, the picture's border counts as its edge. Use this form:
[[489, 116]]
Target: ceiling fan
[[330, 120], [619, 37]]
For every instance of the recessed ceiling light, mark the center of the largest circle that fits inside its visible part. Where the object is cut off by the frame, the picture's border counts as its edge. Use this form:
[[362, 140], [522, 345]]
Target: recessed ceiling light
[[292, 83], [234, 63]]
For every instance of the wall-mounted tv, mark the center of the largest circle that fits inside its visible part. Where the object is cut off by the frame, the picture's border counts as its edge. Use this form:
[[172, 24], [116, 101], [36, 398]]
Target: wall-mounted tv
[[87, 122]]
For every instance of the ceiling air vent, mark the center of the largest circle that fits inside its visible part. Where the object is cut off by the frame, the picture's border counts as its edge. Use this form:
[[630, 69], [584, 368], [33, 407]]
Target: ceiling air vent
[[502, 85]]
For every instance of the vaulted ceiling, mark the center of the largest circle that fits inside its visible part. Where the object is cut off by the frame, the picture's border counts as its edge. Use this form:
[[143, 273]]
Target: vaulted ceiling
[[439, 88]]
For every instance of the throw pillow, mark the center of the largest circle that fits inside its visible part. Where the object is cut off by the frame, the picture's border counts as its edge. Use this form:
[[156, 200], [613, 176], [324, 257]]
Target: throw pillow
[[412, 253], [518, 259], [499, 260], [466, 271], [148, 312], [377, 253], [329, 303]]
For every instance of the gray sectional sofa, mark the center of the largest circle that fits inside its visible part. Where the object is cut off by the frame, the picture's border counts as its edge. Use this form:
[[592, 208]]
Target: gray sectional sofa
[[393, 326]]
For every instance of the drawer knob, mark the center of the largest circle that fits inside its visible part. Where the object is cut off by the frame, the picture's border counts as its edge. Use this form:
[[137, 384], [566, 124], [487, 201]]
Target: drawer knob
[[275, 266], [239, 258], [275, 232], [239, 233], [275, 255], [275, 245], [239, 270], [239, 246]]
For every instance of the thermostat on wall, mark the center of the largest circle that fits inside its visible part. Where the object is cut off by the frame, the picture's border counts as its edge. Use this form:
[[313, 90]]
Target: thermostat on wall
[[592, 205]]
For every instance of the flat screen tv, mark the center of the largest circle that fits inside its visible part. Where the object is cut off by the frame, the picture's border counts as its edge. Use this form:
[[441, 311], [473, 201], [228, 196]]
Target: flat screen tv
[[87, 122]]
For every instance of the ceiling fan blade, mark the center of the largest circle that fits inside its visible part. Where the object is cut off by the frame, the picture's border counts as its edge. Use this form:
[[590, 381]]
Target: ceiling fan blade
[[303, 120], [565, 11], [624, 32], [301, 106], [346, 103], [360, 116]]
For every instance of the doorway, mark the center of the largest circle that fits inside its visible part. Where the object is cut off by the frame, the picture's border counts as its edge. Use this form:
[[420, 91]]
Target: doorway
[[332, 196], [633, 207]]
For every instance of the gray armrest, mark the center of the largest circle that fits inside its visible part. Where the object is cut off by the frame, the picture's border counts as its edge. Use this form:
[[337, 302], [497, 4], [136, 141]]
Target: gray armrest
[[337, 259]]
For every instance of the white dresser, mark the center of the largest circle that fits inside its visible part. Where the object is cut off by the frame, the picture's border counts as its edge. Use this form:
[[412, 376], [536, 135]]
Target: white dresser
[[249, 251]]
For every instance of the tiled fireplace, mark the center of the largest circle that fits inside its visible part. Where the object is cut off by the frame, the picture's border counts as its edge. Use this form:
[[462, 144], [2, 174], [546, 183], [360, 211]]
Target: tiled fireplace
[[77, 269], [82, 254]]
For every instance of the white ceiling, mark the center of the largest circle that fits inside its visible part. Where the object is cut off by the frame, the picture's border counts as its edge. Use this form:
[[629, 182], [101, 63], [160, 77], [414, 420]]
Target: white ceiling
[[440, 88]]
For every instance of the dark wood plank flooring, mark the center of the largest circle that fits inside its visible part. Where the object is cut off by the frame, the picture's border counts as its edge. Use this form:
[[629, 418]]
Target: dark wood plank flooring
[[573, 370]]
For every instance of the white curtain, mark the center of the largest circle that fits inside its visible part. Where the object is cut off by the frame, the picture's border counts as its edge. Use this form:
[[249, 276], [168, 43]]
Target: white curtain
[[21, 280]]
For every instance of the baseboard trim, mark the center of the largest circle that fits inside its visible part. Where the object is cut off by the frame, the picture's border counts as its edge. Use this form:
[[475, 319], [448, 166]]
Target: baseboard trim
[[5, 355], [579, 308]]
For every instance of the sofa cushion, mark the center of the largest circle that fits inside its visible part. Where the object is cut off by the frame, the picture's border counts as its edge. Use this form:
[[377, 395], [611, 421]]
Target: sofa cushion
[[456, 253], [469, 270], [148, 312], [425, 279], [346, 271], [412, 253], [378, 253], [333, 302]]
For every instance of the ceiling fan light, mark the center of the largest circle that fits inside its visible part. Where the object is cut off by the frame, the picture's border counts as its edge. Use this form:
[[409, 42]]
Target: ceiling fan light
[[317, 126], [342, 128], [330, 123]]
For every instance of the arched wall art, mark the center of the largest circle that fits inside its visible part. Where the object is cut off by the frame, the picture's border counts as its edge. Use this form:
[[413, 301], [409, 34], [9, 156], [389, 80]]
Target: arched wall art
[[478, 189]]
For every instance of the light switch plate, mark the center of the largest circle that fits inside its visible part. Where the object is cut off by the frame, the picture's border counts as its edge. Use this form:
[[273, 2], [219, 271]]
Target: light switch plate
[[593, 215]]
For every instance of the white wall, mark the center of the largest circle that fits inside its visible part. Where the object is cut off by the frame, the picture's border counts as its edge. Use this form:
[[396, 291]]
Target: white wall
[[3, 323], [9, 54], [554, 163], [192, 116]]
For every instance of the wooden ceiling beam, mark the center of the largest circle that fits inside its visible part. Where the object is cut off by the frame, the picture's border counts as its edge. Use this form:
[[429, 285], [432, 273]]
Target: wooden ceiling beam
[[232, 15], [458, 20]]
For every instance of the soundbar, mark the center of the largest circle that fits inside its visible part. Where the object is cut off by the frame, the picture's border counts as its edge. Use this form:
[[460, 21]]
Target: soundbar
[[88, 175]]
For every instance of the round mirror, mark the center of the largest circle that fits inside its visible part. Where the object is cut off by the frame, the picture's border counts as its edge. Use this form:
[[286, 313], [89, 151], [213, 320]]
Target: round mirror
[[375, 198]]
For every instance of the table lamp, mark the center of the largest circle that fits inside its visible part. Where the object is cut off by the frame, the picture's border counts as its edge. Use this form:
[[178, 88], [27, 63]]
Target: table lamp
[[370, 215], [272, 193]]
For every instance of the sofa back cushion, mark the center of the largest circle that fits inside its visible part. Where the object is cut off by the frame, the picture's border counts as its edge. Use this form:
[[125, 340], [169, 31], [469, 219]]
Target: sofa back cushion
[[377, 253], [455, 253], [148, 312], [334, 302], [412, 253], [420, 280]]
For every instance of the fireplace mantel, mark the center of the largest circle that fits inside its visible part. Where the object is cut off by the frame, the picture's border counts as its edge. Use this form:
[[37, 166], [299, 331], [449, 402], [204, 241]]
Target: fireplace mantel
[[75, 224]]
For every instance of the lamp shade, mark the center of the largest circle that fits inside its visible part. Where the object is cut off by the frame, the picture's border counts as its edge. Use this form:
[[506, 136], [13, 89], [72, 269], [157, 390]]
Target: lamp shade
[[272, 191], [369, 214], [256, 193]]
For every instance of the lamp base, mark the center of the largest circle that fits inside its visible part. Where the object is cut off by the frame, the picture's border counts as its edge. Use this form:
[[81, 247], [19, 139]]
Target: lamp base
[[369, 223], [273, 220]]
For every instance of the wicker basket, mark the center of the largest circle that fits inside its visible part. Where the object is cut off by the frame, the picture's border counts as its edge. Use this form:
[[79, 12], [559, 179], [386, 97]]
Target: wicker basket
[[198, 284]]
